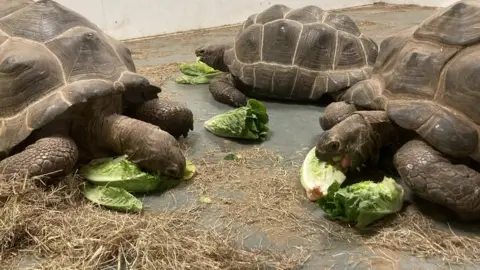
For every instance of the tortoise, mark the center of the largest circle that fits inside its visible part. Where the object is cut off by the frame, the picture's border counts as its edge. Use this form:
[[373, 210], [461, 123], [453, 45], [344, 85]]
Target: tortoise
[[290, 54], [66, 89], [420, 102]]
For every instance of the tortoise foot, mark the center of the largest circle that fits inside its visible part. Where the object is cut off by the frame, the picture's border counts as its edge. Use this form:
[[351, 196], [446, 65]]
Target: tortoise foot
[[433, 177], [171, 116], [335, 113], [47, 158], [223, 90]]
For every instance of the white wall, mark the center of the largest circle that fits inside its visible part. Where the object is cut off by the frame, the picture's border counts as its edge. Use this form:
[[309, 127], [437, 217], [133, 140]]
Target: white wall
[[127, 19], [431, 3]]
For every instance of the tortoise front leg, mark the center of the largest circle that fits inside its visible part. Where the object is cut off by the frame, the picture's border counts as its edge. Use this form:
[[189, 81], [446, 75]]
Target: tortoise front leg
[[366, 95], [171, 116], [335, 113], [50, 157], [433, 177], [223, 90]]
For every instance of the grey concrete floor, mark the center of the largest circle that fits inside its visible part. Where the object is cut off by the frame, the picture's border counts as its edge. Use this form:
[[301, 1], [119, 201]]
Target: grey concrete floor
[[294, 127]]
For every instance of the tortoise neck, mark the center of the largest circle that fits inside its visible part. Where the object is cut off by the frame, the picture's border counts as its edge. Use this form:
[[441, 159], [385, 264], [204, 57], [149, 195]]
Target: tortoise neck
[[219, 62]]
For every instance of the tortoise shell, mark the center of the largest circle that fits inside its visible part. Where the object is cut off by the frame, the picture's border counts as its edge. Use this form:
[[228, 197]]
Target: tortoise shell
[[50, 59], [427, 78], [302, 52]]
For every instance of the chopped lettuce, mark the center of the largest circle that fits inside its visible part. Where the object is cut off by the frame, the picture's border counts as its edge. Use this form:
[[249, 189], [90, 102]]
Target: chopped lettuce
[[122, 173], [317, 176], [190, 170], [363, 203], [119, 172], [196, 73], [110, 181], [112, 197], [248, 122]]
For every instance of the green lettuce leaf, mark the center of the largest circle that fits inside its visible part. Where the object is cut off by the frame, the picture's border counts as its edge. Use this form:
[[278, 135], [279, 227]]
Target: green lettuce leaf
[[248, 122], [317, 176], [190, 171], [363, 203], [196, 73], [119, 172], [112, 197], [122, 173]]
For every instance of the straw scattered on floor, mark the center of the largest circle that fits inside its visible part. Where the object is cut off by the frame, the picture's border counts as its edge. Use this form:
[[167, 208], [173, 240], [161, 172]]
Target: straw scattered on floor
[[257, 191], [160, 73], [61, 230]]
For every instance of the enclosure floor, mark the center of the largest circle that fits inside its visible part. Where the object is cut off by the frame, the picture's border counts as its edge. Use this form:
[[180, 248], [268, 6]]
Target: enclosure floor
[[294, 127]]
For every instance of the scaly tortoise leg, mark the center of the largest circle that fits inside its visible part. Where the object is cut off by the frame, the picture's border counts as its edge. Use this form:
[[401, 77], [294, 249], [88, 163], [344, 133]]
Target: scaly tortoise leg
[[171, 116], [335, 113], [433, 177], [51, 157], [223, 90], [366, 95]]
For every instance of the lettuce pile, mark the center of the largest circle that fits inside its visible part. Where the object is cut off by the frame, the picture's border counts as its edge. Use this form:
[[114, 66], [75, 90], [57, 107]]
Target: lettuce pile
[[249, 122], [196, 73], [110, 182], [363, 203]]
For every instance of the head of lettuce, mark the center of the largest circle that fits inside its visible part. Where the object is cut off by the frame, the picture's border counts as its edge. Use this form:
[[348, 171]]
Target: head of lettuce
[[362, 203], [249, 122]]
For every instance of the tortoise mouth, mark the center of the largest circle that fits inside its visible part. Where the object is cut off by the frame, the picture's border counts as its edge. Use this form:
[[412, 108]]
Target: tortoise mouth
[[200, 52], [342, 161]]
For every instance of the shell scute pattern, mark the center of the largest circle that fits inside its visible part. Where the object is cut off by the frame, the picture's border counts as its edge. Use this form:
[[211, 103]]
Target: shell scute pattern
[[50, 59], [298, 49], [426, 78]]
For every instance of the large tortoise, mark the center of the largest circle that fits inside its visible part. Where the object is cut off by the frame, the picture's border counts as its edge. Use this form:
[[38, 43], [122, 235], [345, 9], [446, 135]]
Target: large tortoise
[[290, 54], [423, 95], [64, 88]]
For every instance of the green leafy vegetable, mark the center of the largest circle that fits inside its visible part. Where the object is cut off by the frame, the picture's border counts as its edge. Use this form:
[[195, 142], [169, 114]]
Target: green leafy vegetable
[[196, 73], [110, 181], [230, 156], [317, 176], [363, 203], [247, 122], [206, 200], [112, 197], [120, 172], [190, 170]]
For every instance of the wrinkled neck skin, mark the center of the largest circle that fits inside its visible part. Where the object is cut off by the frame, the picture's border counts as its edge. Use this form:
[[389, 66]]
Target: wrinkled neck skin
[[82, 131], [372, 139], [216, 59]]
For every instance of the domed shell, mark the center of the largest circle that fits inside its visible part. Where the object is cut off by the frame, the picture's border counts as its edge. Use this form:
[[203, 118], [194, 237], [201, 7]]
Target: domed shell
[[431, 79], [50, 59], [281, 46]]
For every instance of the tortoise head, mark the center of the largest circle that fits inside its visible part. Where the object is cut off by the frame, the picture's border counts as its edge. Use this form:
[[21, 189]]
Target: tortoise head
[[212, 55], [349, 144]]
